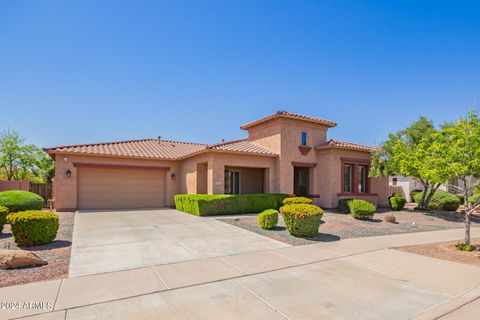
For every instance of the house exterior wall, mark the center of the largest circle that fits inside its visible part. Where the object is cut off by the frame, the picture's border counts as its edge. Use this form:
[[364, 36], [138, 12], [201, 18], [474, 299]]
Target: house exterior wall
[[283, 136], [66, 188], [222, 160], [330, 179], [204, 172]]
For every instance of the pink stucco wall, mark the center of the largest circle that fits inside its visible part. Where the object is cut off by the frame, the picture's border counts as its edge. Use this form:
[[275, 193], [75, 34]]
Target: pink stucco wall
[[204, 173]]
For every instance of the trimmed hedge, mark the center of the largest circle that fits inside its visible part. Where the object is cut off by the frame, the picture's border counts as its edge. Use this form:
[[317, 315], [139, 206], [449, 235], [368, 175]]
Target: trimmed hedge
[[302, 220], [210, 205], [33, 227], [268, 219], [397, 202], [297, 200], [17, 200], [343, 206], [3, 217], [361, 209], [441, 200]]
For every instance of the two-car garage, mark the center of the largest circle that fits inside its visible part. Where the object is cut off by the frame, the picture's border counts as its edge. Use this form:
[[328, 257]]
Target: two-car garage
[[120, 187]]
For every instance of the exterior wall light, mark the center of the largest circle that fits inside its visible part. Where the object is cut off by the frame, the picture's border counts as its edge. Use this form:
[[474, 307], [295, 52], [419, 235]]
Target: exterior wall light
[[173, 176], [68, 173]]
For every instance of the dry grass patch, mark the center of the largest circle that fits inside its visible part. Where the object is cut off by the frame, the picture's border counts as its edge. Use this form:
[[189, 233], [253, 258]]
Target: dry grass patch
[[447, 251]]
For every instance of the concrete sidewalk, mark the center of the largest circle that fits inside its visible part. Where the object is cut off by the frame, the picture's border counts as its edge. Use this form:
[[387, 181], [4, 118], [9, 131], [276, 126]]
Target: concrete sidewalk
[[349, 279]]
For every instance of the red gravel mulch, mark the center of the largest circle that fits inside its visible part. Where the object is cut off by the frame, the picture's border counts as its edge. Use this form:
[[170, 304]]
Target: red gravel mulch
[[336, 226], [447, 251], [56, 253]]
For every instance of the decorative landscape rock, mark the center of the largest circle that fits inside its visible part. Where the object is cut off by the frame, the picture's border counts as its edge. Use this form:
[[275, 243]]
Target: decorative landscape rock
[[12, 259], [390, 218]]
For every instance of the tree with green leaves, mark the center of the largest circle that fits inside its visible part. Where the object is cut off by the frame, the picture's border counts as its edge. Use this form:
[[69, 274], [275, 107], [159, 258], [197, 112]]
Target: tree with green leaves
[[458, 144], [405, 153], [19, 161]]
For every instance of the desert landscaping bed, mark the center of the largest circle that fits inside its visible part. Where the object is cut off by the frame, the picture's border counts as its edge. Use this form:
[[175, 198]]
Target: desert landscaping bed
[[56, 253], [336, 226], [447, 251]]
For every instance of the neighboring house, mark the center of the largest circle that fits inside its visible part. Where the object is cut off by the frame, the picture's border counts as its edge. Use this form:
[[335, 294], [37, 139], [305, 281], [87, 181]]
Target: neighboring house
[[405, 185], [454, 186], [284, 153]]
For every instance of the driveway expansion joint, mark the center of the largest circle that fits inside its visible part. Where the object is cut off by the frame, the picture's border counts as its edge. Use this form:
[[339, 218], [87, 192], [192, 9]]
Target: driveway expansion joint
[[261, 299], [160, 277]]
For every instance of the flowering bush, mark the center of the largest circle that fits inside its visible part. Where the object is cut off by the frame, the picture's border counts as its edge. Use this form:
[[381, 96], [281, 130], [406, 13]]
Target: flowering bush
[[33, 227], [302, 220], [268, 219]]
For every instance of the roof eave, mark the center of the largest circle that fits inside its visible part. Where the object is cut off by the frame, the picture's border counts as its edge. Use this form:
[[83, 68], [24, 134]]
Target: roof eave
[[343, 148], [326, 123], [54, 152], [271, 155]]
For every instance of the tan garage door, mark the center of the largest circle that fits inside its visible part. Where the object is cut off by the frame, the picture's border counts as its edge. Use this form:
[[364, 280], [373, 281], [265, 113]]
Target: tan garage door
[[120, 188]]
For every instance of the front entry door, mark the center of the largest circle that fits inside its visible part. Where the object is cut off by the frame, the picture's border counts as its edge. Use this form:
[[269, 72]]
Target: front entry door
[[232, 181], [301, 181]]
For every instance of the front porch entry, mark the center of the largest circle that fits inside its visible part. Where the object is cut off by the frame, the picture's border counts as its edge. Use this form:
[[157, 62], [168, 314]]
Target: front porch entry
[[244, 180], [301, 181]]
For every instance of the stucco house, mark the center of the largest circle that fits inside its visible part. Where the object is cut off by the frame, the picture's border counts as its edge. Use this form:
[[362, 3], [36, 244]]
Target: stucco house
[[284, 153]]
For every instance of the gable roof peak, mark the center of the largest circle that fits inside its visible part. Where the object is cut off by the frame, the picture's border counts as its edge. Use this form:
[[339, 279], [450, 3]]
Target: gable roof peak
[[289, 115]]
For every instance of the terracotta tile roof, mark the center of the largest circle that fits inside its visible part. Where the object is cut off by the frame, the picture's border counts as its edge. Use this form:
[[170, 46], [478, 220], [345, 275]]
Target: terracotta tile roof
[[241, 145], [338, 144], [159, 149], [146, 148], [289, 115]]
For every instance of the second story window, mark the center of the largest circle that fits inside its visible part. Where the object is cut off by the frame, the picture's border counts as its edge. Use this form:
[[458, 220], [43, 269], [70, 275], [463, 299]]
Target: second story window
[[304, 138]]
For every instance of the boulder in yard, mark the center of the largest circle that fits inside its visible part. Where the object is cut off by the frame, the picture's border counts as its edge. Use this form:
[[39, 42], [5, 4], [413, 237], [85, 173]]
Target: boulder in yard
[[390, 218], [12, 259]]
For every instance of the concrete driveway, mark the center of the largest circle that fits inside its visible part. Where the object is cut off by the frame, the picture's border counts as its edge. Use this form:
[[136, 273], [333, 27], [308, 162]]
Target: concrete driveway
[[108, 241]]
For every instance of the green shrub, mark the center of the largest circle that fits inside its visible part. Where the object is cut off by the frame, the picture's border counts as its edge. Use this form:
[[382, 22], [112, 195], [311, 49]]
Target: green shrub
[[464, 247], [33, 227], [17, 200], [414, 195], [474, 198], [3, 217], [417, 196], [447, 203], [297, 200], [302, 220], [361, 209], [209, 205], [397, 202], [268, 219], [476, 189], [461, 198], [441, 200], [343, 206]]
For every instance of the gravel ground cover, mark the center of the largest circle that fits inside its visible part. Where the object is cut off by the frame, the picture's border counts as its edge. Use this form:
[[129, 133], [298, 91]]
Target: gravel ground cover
[[447, 251], [336, 226], [57, 254]]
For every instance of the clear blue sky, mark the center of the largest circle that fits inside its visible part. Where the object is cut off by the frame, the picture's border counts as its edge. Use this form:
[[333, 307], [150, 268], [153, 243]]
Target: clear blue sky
[[92, 71]]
